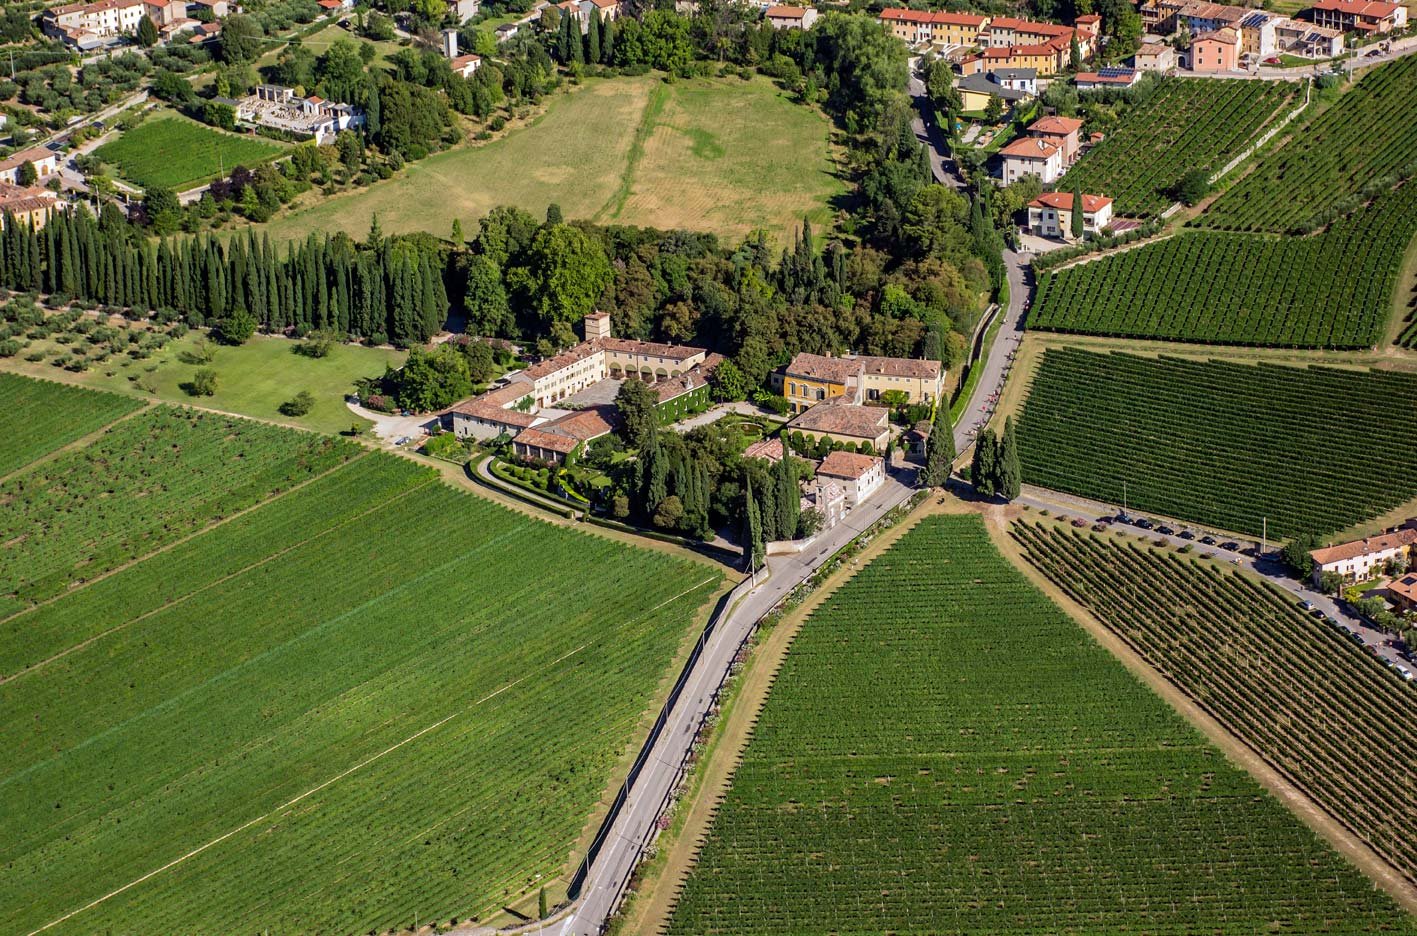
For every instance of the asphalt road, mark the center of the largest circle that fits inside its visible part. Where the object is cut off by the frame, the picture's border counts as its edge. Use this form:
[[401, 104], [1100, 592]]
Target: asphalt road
[[1267, 567]]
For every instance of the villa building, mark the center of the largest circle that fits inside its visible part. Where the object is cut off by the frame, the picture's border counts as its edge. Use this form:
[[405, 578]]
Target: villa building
[[1362, 559]]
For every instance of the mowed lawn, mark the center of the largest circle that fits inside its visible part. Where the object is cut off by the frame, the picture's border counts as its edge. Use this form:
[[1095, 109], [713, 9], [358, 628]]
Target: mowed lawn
[[172, 151], [253, 380], [719, 155]]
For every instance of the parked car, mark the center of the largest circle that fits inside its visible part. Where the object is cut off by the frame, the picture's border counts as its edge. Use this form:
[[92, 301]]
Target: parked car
[[1208, 540], [1165, 531], [1307, 605], [1230, 546], [1144, 524], [1187, 535]]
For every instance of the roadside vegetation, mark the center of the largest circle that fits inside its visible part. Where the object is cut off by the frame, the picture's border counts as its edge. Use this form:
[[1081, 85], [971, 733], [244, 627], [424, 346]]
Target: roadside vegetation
[[1305, 450], [1329, 716], [945, 751]]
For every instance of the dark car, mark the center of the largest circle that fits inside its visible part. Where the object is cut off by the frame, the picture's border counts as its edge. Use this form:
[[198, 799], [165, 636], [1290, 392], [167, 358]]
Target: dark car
[[1165, 531], [1356, 637], [1187, 535], [1208, 540], [1252, 551], [1230, 546], [1144, 524]]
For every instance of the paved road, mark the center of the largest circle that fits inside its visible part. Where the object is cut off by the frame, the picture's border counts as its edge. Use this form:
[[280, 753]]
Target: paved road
[[1267, 567], [946, 172]]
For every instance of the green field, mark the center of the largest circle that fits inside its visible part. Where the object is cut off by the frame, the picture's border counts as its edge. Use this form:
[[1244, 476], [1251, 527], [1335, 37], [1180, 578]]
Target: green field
[[1187, 123], [1325, 713], [253, 379], [1310, 450], [371, 700], [1332, 290], [37, 417], [1361, 145], [171, 151], [719, 155], [945, 751]]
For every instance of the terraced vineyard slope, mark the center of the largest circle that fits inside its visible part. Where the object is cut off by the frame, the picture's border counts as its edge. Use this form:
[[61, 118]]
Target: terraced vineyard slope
[[37, 417], [1332, 290], [1361, 146], [945, 751], [368, 700], [1187, 123], [1227, 445], [1319, 709]]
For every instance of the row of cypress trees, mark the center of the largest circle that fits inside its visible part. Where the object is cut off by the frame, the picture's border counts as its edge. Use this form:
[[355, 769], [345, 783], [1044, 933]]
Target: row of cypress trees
[[386, 289]]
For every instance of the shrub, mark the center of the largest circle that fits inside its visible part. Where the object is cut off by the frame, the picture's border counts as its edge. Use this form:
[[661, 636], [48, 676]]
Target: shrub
[[299, 405]]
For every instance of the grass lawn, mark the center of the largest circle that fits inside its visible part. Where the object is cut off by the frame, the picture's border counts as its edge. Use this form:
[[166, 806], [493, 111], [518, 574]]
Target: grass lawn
[[170, 150], [719, 155], [253, 380]]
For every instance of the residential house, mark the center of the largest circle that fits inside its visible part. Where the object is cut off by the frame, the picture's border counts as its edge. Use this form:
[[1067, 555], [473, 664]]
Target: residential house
[[1362, 559], [1217, 51], [845, 423], [1199, 16], [218, 9], [32, 206], [1154, 57], [937, 27], [769, 450], [506, 31], [791, 17], [859, 476], [812, 378], [921, 380], [1031, 156], [1364, 16], [165, 14], [1257, 34], [976, 90], [205, 32], [1307, 39], [464, 10], [1045, 59], [1062, 131], [1051, 214], [44, 161], [1107, 79], [465, 65], [1403, 592]]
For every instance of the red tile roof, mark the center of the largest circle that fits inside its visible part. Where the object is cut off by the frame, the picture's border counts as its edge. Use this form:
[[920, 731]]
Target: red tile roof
[[1373, 9], [860, 422], [1405, 587], [1030, 148], [649, 348], [1056, 126], [1063, 201], [786, 12], [33, 154], [565, 445], [1123, 78], [850, 465], [819, 367], [917, 369], [771, 449], [1364, 547]]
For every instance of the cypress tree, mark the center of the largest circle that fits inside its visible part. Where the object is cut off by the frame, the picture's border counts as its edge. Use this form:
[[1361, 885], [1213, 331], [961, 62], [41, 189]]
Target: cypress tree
[[1077, 228], [789, 501], [592, 44], [752, 535], [939, 448], [607, 42], [983, 469], [1009, 471]]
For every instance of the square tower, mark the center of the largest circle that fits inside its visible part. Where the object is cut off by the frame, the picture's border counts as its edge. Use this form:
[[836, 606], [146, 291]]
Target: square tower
[[597, 325]]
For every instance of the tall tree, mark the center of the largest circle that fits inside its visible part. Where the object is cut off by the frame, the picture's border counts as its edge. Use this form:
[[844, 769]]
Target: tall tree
[[147, 33], [637, 404], [983, 469], [939, 448], [752, 536], [1009, 476], [1076, 228], [789, 499], [592, 44]]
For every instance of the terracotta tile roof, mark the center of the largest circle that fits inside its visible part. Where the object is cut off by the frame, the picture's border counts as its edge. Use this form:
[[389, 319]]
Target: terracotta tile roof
[[1152, 49], [649, 348], [1120, 78], [462, 61], [786, 12], [1373, 9], [770, 449], [565, 359], [1029, 27], [939, 16], [918, 369], [584, 425], [1364, 547], [492, 413], [1225, 35], [1063, 201], [33, 154], [860, 422], [1056, 126], [1201, 9], [565, 445], [850, 465], [1405, 587], [828, 369], [1030, 148]]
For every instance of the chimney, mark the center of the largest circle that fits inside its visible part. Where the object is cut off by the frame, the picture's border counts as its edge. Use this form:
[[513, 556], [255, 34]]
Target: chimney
[[450, 43]]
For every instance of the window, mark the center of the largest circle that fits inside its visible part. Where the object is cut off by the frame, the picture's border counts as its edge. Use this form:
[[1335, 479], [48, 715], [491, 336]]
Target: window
[[821, 394]]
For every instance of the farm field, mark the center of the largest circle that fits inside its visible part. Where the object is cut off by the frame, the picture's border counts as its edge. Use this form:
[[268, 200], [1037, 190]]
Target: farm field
[[1222, 444], [1361, 145], [719, 155], [37, 417], [171, 151], [945, 751], [465, 723], [1187, 123], [1325, 713], [1332, 290], [144, 483], [253, 379]]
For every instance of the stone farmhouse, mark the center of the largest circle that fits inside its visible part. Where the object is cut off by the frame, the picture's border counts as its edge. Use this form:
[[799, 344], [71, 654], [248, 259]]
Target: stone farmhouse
[[1361, 559], [529, 406]]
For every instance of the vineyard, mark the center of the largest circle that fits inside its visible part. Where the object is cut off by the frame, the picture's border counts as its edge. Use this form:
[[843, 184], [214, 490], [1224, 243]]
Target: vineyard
[[1227, 445], [1320, 710], [37, 417], [374, 698], [1332, 290], [1359, 147], [147, 481], [944, 751], [1187, 123]]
